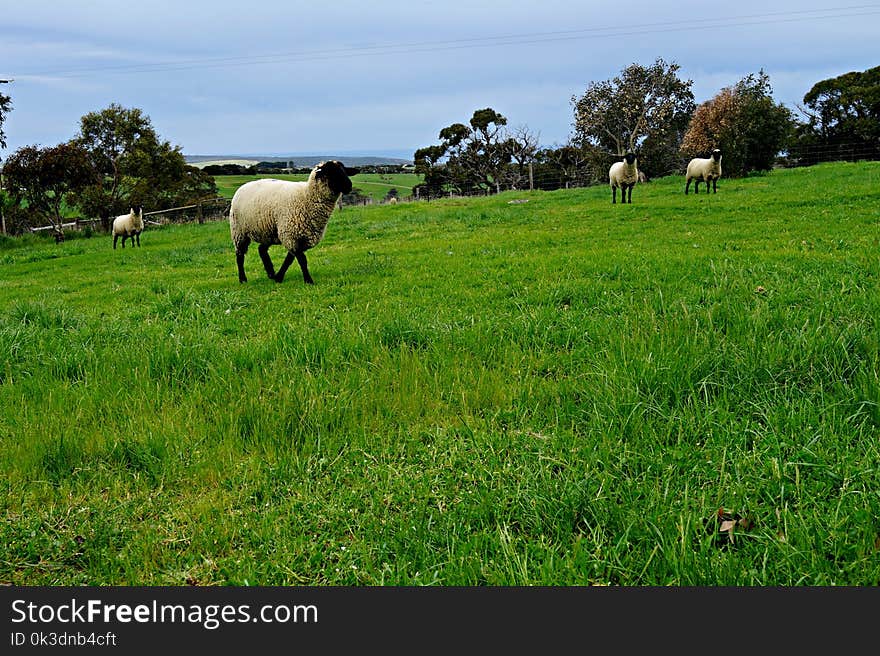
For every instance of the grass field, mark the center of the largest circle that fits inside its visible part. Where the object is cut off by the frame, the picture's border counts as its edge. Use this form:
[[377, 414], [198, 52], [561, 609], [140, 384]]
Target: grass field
[[374, 185], [556, 392]]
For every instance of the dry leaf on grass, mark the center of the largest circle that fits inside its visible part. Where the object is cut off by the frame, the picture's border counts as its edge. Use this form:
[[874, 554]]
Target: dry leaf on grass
[[723, 525]]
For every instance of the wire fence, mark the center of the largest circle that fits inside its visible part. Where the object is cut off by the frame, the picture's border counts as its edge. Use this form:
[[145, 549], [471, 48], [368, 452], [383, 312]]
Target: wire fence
[[209, 209], [540, 176], [551, 180]]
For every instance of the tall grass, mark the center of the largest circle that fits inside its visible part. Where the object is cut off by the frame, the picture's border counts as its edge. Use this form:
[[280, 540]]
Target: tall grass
[[555, 392]]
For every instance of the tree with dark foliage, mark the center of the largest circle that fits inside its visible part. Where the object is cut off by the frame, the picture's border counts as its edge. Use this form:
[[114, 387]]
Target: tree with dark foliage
[[5, 108], [42, 178], [842, 119], [476, 156]]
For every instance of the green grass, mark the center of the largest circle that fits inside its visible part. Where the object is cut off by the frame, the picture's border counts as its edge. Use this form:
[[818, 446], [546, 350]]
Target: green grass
[[475, 391], [374, 185]]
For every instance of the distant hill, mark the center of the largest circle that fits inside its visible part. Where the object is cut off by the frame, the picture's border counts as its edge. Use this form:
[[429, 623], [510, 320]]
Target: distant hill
[[298, 160]]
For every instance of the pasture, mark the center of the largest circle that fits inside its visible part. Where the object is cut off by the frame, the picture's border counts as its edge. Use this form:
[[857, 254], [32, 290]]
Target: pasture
[[374, 185], [560, 391]]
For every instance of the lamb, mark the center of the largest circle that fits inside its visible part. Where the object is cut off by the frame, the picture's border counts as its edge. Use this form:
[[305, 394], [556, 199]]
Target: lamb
[[129, 226], [704, 169], [292, 214], [625, 175]]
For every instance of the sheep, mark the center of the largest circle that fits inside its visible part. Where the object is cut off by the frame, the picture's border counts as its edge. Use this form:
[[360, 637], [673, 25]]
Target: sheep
[[129, 226], [623, 174], [292, 214], [704, 169]]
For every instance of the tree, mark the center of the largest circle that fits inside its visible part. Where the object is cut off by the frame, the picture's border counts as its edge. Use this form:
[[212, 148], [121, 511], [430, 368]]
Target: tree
[[43, 177], [161, 176], [843, 119], [523, 148], [428, 163], [5, 203], [134, 166], [645, 109], [111, 137], [744, 122], [476, 156], [560, 165], [5, 108], [487, 150]]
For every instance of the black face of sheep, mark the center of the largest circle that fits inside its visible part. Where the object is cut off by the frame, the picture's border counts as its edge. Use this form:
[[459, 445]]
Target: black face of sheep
[[630, 158], [716, 155], [336, 176]]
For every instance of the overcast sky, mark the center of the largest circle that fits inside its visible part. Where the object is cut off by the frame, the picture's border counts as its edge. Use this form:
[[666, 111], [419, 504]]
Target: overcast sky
[[373, 76]]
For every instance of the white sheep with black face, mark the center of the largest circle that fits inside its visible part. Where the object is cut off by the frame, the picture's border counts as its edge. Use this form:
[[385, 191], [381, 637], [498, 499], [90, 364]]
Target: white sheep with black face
[[292, 214], [624, 174], [129, 226], [706, 169]]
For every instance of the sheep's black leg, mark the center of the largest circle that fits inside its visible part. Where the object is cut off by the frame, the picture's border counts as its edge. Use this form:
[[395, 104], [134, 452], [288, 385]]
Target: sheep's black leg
[[263, 250], [240, 250], [714, 186], [288, 260], [697, 186], [686, 185], [124, 237], [301, 258], [630, 194], [614, 195], [115, 239], [138, 235]]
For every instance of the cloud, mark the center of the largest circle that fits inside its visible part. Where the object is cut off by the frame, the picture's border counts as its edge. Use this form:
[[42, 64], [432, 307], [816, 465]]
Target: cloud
[[284, 76]]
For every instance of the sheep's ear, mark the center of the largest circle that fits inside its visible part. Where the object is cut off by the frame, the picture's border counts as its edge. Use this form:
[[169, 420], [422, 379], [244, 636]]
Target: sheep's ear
[[350, 171]]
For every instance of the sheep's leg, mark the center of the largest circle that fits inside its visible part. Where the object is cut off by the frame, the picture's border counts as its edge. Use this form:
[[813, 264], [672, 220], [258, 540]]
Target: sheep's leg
[[240, 250], [288, 260], [115, 239], [714, 186], [138, 235], [300, 254], [263, 250], [686, 185], [124, 237], [301, 258], [614, 195], [630, 194]]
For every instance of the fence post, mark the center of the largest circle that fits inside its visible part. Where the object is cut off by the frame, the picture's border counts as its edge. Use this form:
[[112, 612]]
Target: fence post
[[531, 178], [199, 214]]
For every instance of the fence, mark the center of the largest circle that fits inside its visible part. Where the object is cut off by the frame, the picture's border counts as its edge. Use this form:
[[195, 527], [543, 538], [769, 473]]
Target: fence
[[211, 209]]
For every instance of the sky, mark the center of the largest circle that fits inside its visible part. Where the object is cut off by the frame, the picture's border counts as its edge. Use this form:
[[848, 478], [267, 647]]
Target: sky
[[371, 77]]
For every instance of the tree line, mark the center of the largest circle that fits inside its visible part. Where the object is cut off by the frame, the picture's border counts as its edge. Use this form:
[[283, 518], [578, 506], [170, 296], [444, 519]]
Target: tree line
[[117, 159], [650, 110]]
